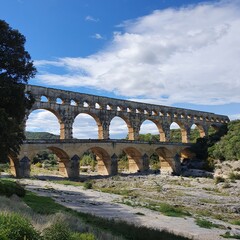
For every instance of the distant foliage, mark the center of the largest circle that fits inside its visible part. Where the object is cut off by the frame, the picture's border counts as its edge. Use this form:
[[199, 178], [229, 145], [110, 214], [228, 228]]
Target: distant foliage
[[228, 148], [41, 135]]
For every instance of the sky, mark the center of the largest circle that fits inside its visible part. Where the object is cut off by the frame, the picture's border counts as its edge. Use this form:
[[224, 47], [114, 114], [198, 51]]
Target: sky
[[182, 53]]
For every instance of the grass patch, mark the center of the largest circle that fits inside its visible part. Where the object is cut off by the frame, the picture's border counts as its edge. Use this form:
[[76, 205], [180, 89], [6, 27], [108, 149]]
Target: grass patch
[[171, 211], [229, 235], [123, 192], [203, 223], [42, 205], [236, 222]]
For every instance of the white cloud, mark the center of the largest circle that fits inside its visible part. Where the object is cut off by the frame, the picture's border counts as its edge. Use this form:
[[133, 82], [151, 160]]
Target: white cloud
[[234, 116], [91, 19], [98, 36], [171, 56], [43, 121]]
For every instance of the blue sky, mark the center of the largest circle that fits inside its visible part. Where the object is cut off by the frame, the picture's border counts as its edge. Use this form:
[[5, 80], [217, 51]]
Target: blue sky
[[179, 53]]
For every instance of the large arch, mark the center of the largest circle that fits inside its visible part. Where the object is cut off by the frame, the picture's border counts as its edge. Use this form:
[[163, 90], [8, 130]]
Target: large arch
[[196, 132], [135, 162], [104, 161], [86, 126], [167, 161], [64, 161], [119, 128], [44, 120], [154, 128], [178, 133]]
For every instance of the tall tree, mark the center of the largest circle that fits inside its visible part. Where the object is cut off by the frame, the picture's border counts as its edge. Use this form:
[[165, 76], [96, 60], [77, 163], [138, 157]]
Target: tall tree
[[16, 68]]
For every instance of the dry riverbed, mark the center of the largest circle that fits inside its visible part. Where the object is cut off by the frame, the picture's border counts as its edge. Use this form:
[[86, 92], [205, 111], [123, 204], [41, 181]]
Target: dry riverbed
[[141, 199]]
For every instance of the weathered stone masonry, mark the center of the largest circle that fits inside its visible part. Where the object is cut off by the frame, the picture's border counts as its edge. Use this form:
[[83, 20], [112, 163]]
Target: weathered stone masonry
[[104, 109], [67, 105]]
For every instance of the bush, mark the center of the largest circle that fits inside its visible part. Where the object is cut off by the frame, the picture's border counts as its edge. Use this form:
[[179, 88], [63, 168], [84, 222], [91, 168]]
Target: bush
[[57, 231], [88, 185], [15, 227], [39, 165], [8, 188]]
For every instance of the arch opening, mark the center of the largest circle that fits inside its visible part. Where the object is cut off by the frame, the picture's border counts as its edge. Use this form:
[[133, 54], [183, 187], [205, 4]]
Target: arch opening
[[59, 101], [44, 99], [50, 161], [88, 162], [165, 159], [73, 103], [118, 129], [151, 132], [196, 132], [42, 124], [103, 160], [86, 126], [178, 133], [135, 163]]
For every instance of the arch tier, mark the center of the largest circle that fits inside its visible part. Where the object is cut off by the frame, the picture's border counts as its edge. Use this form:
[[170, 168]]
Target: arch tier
[[66, 105], [107, 154]]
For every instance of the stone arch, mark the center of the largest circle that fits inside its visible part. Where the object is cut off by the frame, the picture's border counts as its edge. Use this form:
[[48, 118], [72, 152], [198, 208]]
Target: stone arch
[[187, 153], [135, 163], [59, 100], [64, 161], [128, 124], [43, 98], [104, 162], [159, 128], [196, 132], [87, 121], [120, 126], [168, 161], [47, 126], [184, 134]]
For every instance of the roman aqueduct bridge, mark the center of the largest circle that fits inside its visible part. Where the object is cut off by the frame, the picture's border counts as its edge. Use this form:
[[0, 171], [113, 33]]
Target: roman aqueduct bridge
[[67, 105]]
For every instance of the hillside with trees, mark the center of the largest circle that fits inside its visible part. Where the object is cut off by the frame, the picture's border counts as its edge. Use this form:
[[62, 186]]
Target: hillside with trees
[[41, 135], [228, 148]]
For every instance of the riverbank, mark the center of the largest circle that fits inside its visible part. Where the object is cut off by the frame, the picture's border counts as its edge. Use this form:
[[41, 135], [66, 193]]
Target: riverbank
[[113, 206]]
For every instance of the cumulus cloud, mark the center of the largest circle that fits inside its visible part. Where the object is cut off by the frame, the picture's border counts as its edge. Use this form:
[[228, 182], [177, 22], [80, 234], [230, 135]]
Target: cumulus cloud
[[190, 54]]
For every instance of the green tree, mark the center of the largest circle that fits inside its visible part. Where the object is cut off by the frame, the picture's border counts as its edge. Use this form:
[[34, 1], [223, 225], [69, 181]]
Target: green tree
[[16, 68]]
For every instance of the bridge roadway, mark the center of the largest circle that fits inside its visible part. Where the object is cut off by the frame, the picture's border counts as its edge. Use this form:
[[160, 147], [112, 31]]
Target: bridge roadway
[[107, 151]]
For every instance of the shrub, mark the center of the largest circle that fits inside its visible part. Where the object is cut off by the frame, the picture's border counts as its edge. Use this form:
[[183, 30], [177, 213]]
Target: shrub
[[88, 185], [8, 188], [15, 227], [57, 231], [39, 165]]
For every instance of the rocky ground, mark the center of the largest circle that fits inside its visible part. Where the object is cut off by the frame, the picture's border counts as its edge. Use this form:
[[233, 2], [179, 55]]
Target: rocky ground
[[137, 199]]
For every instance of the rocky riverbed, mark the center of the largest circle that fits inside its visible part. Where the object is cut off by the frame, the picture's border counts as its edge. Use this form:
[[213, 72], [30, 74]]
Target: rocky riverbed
[[137, 199]]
